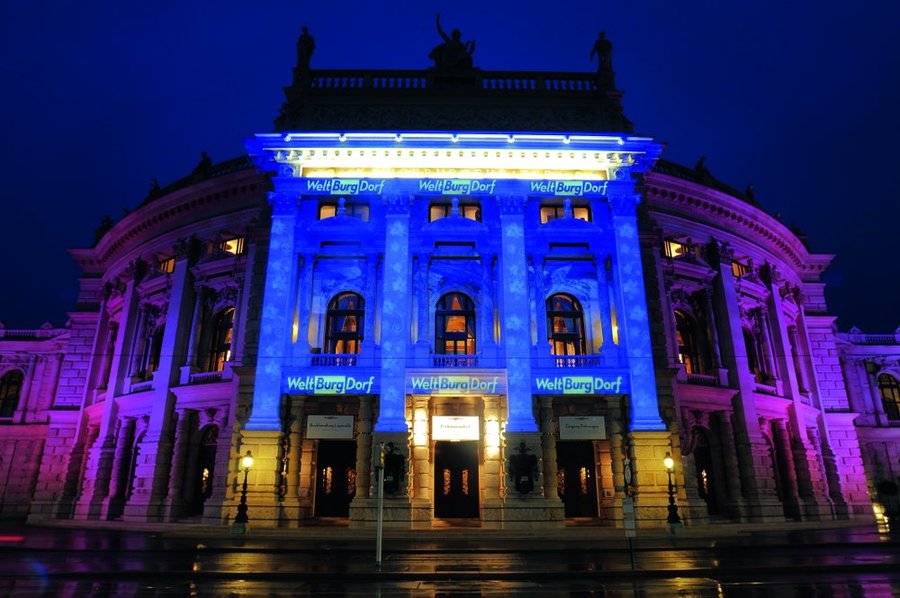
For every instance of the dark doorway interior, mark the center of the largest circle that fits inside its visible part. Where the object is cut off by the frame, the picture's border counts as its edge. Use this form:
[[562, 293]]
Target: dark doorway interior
[[206, 467], [456, 480], [335, 477], [576, 473]]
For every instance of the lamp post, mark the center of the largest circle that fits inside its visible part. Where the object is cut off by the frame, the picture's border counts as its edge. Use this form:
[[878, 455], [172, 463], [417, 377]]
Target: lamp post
[[241, 520], [673, 517]]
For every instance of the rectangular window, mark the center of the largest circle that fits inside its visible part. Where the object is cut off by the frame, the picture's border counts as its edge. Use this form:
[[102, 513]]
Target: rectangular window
[[436, 211], [234, 245], [167, 265], [676, 249], [739, 269], [555, 211], [330, 208]]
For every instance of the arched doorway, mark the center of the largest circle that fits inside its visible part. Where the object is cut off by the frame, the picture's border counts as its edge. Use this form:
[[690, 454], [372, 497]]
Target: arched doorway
[[206, 467], [707, 484]]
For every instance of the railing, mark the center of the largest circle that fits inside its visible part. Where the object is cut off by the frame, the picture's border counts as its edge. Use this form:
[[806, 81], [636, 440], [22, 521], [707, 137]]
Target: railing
[[703, 379], [206, 377], [873, 339], [577, 361], [766, 389], [455, 361], [142, 386], [28, 334], [340, 79], [334, 359]]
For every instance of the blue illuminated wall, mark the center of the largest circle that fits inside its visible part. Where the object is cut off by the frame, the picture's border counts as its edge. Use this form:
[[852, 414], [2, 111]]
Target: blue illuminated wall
[[509, 263]]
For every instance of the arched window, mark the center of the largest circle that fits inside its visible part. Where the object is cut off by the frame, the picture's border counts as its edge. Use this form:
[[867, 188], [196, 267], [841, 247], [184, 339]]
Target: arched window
[[220, 340], [889, 389], [10, 389], [344, 324], [565, 325], [688, 342], [454, 325]]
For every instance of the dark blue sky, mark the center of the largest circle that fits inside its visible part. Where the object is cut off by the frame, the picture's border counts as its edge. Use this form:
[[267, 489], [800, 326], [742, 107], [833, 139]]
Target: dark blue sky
[[800, 98]]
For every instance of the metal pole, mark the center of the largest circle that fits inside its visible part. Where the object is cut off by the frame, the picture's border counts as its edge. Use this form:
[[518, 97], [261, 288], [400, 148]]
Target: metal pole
[[379, 526]]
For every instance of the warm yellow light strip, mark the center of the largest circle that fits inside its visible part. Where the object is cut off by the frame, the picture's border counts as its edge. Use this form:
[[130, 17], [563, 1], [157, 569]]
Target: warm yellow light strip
[[405, 162], [460, 173]]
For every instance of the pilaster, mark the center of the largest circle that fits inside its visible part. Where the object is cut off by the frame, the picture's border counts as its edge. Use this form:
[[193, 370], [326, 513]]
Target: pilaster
[[274, 335]]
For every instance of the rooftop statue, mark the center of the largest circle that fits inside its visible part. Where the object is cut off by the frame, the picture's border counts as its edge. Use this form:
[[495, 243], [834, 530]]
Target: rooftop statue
[[603, 50], [453, 53], [306, 45]]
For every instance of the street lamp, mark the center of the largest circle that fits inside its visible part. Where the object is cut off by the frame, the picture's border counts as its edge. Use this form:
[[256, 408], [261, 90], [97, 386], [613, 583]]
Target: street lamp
[[241, 520], [673, 508]]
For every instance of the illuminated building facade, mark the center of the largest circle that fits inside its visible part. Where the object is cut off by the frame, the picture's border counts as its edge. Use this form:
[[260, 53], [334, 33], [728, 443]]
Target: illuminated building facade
[[529, 321]]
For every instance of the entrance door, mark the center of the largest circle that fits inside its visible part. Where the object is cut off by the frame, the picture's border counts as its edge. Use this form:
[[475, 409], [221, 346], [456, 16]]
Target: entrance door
[[456, 480], [335, 477], [575, 478]]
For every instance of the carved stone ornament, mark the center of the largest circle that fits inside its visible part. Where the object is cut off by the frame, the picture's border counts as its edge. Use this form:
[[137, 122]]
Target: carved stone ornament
[[511, 204], [398, 204]]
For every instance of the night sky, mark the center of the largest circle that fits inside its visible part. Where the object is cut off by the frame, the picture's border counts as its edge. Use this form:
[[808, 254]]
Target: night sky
[[800, 98]]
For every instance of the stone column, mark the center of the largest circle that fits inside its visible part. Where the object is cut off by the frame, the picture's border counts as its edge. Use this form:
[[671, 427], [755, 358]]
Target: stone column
[[487, 301], [515, 314], [275, 327], [190, 361], [364, 447], [754, 462], [396, 312], [115, 499], [147, 502], [785, 455], [544, 350], [304, 300], [633, 320], [712, 334], [492, 472], [175, 502], [608, 349], [368, 343], [796, 450], [100, 456]]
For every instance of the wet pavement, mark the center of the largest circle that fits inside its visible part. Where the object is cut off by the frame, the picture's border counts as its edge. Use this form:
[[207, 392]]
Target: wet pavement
[[578, 562]]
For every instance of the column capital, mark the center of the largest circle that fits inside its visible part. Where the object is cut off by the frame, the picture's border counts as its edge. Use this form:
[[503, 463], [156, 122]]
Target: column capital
[[398, 204], [283, 204], [511, 204], [624, 204]]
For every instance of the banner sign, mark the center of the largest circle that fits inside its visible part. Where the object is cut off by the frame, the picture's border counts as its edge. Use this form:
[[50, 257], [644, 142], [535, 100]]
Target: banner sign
[[455, 428], [458, 187], [589, 427], [330, 427], [607, 384], [330, 385], [455, 384]]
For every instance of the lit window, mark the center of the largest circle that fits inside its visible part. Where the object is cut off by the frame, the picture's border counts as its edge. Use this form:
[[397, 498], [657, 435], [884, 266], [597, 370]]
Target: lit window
[[676, 249], [344, 324], [565, 324], [10, 389], [234, 245], [454, 325], [739, 269], [471, 211], [686, 328], [889, 389], [219, 339], [331, 208], [556, 211], [167, 265]]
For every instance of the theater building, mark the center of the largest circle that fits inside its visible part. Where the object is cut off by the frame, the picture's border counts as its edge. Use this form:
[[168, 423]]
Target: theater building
[[490, 275]]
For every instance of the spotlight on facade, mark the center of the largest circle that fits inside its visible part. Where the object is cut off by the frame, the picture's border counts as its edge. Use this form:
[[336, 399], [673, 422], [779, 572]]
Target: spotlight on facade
[[673, 517], [241, 520]]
